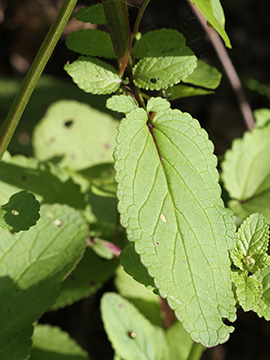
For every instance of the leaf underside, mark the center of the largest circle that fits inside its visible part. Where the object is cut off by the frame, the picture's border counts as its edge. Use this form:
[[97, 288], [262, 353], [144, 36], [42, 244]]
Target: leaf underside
[[169, 201]]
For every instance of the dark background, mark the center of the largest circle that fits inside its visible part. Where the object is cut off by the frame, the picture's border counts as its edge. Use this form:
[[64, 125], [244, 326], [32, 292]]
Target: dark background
[[23, 26]]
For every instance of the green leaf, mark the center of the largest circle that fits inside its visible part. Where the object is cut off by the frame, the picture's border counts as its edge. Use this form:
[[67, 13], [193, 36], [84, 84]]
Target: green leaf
[[252, 240], [182, 91], [132, 265], [263, 307], [20, 213], [93, 14], [246, 173], [131, 334], [248, 290], [101, 249], [51, 343], [262, 117], [93, 75], [122, 103], [205, 76], [165, 59], [180, 343], [77, 134], [91, 42], [157, 104], [101, 177], [145, 300], [164, 174], [88, 276], [31, 285], [49, 183], [212, 11]]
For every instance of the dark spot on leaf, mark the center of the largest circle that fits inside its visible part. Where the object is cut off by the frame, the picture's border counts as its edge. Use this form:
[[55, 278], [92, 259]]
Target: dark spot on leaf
[[7, 310], [68, 123], [121, 305], [132, 334], [107, 146], [72, 156], [157, 243], [23, 177], [17, 290], [153, 80]]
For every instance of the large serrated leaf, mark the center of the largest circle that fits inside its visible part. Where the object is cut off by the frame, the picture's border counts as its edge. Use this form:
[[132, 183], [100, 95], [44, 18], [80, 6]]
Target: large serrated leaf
[[248, 290], [169, 200], [77, 134], [132, 335], [246, 172], [213, 12], [51, 343], [93, 75], [91, 42], [20, 213], [165, 59], [32, 266]]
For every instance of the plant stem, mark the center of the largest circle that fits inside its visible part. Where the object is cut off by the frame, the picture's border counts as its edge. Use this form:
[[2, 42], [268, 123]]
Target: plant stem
[[229, 69], [196, 351], [118, 25], [139, 17], [33, 75]]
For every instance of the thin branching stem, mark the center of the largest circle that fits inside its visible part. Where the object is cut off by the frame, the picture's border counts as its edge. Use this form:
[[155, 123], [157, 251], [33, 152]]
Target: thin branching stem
[[34, 74], [229, 69], [139, 17]]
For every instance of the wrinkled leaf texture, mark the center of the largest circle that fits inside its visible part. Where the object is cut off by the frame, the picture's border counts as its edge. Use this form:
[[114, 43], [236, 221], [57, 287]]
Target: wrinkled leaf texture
[[169, 201]]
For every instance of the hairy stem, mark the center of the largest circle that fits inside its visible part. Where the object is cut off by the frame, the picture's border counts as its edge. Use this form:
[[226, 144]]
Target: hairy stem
[[33, 75], [229, 69]]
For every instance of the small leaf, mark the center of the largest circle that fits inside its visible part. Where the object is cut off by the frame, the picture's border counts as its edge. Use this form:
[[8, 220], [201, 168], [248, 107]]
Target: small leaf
[[248, 290], [93, 75], [47, 182], [91, 42], [132, 336], [165, 59], [76, 133], [205, 76], [145, 300], [212, 11], [88, 276], [131, 263], [31, 285], [253, 235], [101, 250], [122, 103], [91, 14], [262, 117], [263, 307], [180, 343], [20, 213], [182, 91], [246, 173], [52, 343], [162, 173], [157, 104]]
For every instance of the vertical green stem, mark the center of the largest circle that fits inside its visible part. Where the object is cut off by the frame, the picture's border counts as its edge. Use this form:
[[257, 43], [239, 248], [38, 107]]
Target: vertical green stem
[[118, 25], [196, 351], [34, 74], [139, 17]]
